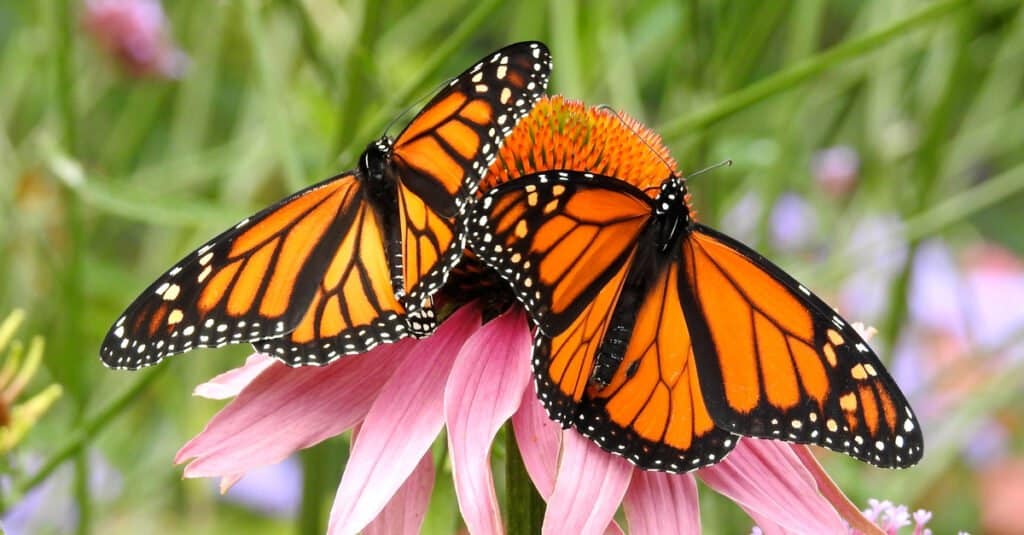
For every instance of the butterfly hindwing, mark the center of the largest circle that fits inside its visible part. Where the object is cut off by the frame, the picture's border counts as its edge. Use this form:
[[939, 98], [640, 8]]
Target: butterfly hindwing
[[353, 308], [782, 364], [257, 280], [443, 153], [651, 411]]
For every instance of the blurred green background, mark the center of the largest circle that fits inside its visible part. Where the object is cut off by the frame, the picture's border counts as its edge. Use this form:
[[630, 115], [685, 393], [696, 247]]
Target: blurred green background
[[877, 155]]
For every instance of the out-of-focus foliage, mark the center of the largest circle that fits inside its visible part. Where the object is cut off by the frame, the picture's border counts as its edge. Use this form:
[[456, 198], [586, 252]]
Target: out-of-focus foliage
[[877, 155]]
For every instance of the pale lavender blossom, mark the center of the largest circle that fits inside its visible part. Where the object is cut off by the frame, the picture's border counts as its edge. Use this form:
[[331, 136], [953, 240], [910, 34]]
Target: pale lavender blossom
[[274, 490], [793, 222]]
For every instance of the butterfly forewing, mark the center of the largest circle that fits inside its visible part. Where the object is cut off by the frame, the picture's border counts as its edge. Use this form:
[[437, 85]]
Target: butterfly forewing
[[442, 154], [257, 280], [557, 238]]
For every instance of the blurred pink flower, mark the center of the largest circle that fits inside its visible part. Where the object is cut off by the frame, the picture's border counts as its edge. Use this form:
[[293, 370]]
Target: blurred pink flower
[[963, 330], [135, 32], [472, 379], [836, 170]]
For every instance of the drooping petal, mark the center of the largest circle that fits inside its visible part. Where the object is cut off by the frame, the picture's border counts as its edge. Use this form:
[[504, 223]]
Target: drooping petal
[[228, 480], [407, 509], [766, 478], [286, 409], [400, 426], [588, 489], [274, 490], [485, 388], [230, 383], [657, 502], [538, 439]]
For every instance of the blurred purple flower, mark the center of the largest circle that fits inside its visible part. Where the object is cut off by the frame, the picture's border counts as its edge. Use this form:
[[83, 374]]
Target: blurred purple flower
[[836, 170], [50, 506], [793, 222], [741, 219], [275, 489], [880, 248], [963, 314], [995, 284], [136, 33], [888, 517], [989, 444]]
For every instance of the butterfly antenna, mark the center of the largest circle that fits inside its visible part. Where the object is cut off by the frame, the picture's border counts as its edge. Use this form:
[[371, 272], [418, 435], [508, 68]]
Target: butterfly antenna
[[723, 163], [631, 128], [437, 89]]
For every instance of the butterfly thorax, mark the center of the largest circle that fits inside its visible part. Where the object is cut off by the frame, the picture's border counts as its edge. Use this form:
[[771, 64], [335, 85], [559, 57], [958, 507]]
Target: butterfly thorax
[[659, 245], [377, 176], [672, 216]]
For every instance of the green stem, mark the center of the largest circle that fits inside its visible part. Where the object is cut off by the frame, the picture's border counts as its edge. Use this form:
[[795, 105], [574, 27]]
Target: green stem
[[274, 96], [524, 505], [64, 29], [83, 499], [84, 434], [314, 481], [929, 163], [805, 70]]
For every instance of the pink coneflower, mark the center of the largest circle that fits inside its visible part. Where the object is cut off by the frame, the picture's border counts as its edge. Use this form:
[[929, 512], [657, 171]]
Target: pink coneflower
[[135, 32], [472, 379]]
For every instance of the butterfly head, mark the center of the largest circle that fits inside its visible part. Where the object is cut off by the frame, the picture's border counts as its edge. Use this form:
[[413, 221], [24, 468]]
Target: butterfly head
[[672, 212], [375, 159]]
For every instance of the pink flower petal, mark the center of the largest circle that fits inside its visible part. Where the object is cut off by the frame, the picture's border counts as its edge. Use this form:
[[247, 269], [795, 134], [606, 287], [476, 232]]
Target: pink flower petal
[[485, 388], [588, 490], [230, 383], [286, 409], [400, 427], [766, 478], [228, 481], [657, 502], [766, 525], [538, 439], [407, 509]]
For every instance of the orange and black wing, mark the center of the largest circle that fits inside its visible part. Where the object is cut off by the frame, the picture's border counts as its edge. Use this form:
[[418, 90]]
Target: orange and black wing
[[775, 361], [568, 244], [558, 238], [442, 154], [651, 411], [305, 279]]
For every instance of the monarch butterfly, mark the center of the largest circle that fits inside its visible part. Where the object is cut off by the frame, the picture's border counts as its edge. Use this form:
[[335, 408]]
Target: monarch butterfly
[[662, 339], [352, 261]]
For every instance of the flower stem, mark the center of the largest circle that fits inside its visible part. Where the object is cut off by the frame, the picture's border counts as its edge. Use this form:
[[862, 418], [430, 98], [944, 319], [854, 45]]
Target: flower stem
[[84, 434], [314, 481], [804, 70], [524, 506]]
